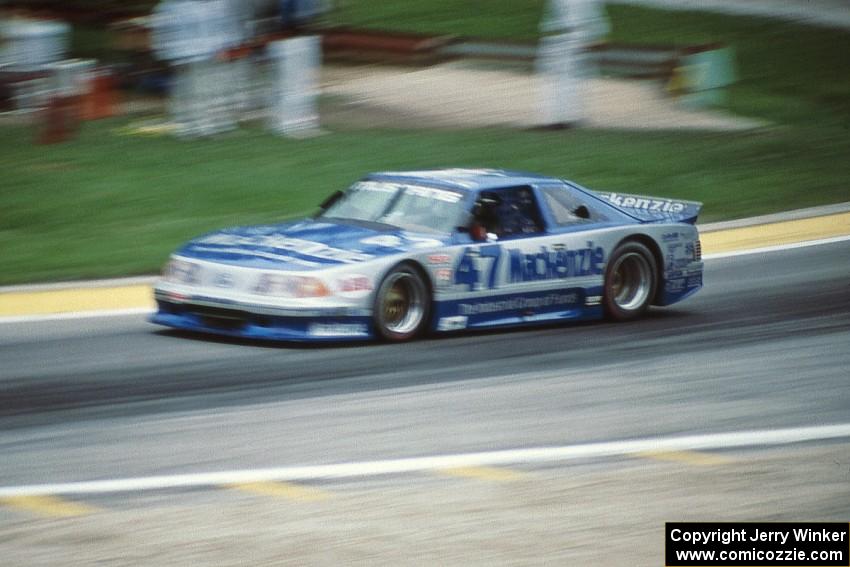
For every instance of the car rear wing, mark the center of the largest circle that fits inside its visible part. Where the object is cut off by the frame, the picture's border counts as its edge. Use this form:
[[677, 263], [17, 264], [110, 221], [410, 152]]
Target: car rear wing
[[653, 209]]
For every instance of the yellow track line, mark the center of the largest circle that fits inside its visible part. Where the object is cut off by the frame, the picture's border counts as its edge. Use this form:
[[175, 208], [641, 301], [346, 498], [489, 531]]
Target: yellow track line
[[286, 490], [74, 300], [777, 233], [49, 506], [483, 473], [687, 457], [140, 296]]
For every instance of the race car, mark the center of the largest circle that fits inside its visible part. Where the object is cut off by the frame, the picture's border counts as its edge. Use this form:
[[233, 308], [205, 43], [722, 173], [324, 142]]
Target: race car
[[401, 254]]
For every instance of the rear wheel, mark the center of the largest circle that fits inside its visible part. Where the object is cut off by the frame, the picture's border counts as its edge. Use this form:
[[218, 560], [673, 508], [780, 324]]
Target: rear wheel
[[402, 304], [630, 281]]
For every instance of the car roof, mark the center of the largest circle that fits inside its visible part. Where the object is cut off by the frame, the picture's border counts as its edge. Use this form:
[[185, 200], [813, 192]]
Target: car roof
[[464, 179]]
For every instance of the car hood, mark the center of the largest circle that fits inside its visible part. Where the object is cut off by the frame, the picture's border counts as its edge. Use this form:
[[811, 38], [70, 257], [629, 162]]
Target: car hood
[[305, 245]]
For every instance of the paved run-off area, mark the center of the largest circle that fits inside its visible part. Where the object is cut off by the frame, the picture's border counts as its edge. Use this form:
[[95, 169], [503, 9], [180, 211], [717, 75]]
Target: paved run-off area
[[601, 513], [136, 295]]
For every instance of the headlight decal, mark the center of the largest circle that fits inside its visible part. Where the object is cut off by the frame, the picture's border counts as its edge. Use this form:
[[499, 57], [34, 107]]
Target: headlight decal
[[354, 285], [181, 271], [291, 286]]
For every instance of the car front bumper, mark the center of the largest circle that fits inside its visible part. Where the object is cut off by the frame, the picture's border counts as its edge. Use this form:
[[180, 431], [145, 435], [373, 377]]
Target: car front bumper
[[234, 319]]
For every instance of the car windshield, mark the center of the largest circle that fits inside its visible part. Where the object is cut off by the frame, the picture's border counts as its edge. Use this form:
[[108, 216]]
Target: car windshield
[[410, 207]]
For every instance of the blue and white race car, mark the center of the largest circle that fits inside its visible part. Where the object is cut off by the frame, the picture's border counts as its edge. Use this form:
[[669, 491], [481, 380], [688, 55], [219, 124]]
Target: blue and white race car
[[400, 254]]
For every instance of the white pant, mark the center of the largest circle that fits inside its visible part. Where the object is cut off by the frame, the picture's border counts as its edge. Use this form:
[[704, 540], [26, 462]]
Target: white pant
[[199, 102], [561, 67]]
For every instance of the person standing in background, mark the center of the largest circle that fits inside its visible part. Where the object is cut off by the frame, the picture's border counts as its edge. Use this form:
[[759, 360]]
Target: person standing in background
[[193, 37], [239, 72], [569, 28]]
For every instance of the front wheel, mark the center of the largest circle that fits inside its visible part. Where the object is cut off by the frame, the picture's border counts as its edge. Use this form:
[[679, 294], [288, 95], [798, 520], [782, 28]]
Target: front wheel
[[402, 304], [630, 281]]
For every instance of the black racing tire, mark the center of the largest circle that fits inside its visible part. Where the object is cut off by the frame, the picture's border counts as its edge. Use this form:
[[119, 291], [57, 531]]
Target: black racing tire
[[630, 281], [402, 306]]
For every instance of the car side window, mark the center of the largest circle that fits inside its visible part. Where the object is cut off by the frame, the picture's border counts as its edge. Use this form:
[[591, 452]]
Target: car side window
[[568, 208], [509, 213]]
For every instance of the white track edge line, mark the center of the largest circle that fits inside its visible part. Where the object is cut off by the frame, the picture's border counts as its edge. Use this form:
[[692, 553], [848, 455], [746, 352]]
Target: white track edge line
[[76, 315], [423, 464]]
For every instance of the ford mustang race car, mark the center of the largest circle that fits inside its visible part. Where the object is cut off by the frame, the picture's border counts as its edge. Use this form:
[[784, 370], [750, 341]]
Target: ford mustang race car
[[400, 254]]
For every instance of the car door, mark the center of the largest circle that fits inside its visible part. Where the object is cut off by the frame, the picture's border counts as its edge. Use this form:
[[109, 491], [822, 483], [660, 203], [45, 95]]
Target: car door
[[520, 272]]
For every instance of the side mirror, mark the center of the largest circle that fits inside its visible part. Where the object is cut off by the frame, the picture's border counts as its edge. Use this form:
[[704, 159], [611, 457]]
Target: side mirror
[[477, 232]]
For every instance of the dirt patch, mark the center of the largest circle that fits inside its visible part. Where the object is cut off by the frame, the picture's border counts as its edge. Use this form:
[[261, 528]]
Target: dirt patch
[[459, 95]]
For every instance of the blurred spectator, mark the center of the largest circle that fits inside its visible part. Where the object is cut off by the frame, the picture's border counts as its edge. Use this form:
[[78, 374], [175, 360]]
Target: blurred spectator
[[569, 28], [238, 70], [194, 37]]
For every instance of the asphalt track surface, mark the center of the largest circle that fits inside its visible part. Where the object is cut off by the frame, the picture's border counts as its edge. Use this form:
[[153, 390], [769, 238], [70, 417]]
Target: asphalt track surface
[[764, 345]]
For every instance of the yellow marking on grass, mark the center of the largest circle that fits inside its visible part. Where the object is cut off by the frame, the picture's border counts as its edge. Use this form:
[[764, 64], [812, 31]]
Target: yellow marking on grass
[[774, 234], [483, 473], [74, 300], [287, 490], [687, 457], [49, 506]]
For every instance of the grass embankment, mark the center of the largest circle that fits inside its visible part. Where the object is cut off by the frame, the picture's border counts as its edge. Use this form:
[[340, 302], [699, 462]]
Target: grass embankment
[[110, 205]]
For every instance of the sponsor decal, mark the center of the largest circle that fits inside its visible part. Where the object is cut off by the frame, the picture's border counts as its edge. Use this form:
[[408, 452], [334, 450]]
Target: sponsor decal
[[416, 242], [558, 263], [679, 256], [337, 329], [459, 176], [415, 190], [670, 236], [386, 240], [645, 203], [277, 242], [223, 280], [443, 275], [437, 259], [519, 303], [452, 323], [256, 254], [592, 300], [431, 193], [675, 285], [683, 281], [376, 186], [479, 266]]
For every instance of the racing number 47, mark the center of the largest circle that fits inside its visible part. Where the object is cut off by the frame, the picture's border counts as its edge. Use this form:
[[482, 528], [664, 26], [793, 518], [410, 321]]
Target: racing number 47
[[468, 270]]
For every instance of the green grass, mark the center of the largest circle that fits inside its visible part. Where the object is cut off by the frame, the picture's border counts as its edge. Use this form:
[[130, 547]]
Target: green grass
[[110, 204], [789, 73], [499, 19]]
